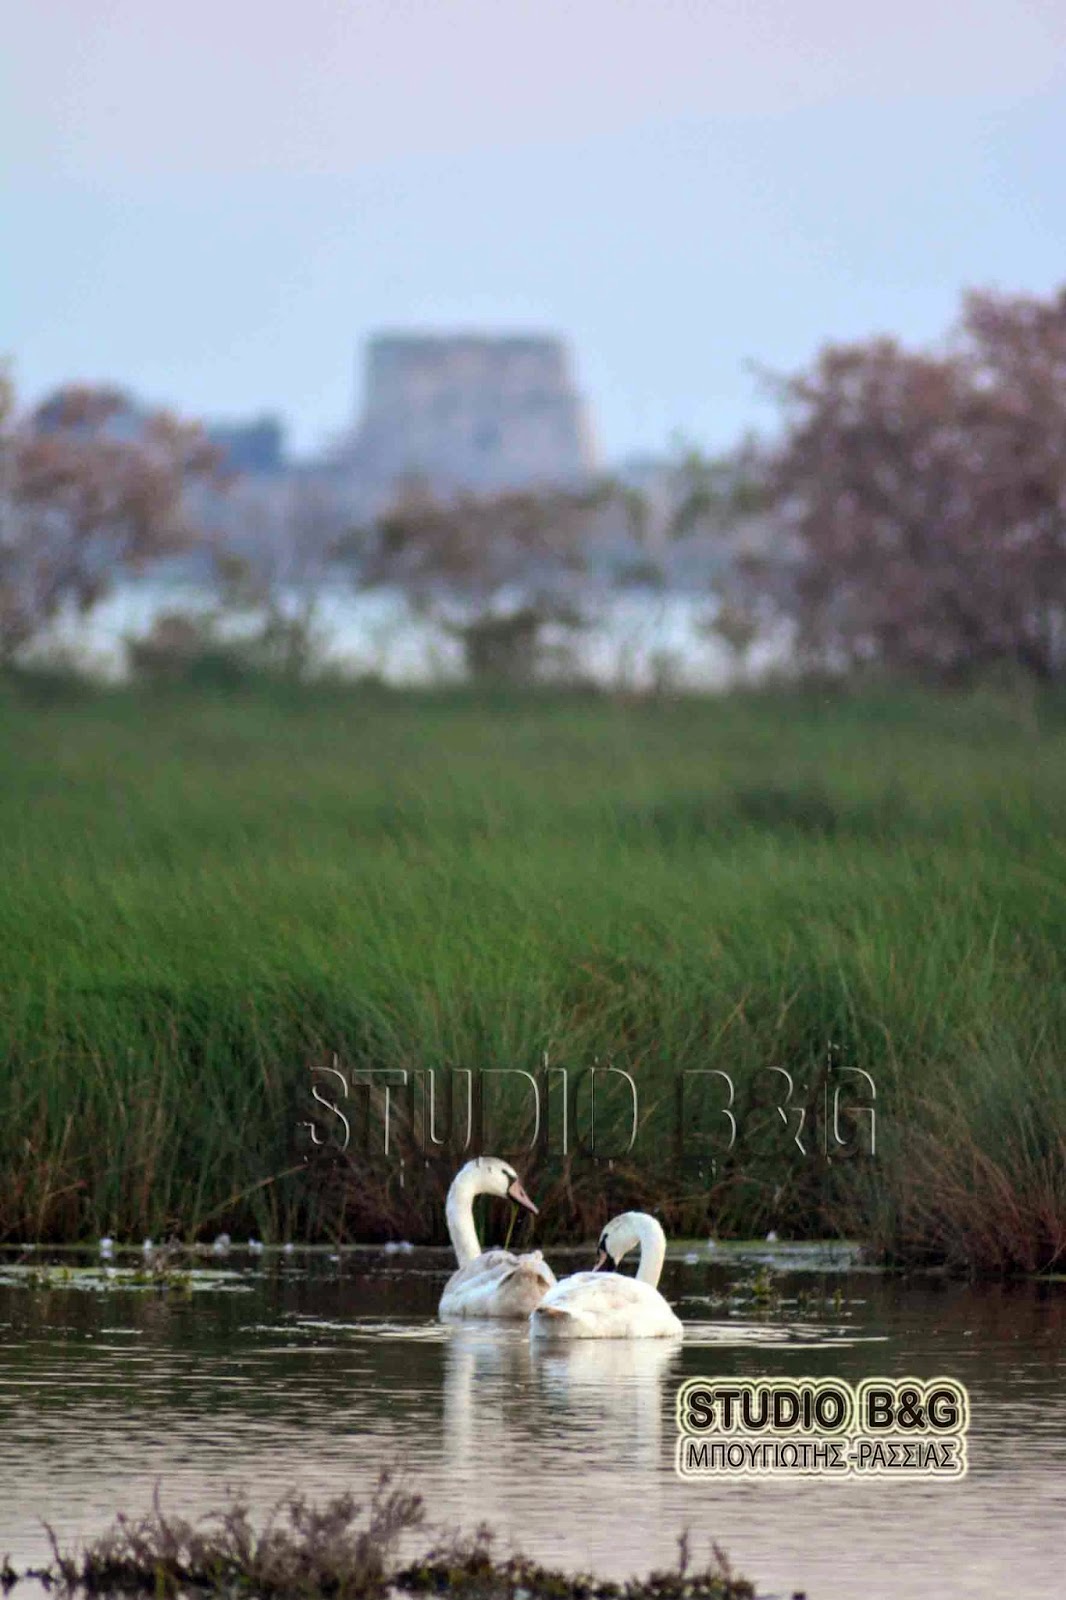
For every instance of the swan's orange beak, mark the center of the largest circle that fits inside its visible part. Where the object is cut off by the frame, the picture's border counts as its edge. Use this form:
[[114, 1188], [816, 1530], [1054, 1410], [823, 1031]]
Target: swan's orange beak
[[605, 1262], [516, 1192]]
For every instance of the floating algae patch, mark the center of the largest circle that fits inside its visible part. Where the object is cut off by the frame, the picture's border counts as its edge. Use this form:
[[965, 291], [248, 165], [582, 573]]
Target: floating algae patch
[[784, 1255], [107, 1279]]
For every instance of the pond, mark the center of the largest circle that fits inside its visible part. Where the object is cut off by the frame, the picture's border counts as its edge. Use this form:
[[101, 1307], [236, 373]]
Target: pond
[[314, 1369]]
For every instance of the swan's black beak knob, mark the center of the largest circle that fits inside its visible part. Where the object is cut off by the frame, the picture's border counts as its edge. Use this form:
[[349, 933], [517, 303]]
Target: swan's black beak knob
[[516, 1192], [605, 1262]]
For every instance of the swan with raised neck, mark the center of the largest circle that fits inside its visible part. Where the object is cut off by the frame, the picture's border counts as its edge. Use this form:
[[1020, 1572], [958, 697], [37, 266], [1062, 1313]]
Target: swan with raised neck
[[489, 1283], [482, 1175]]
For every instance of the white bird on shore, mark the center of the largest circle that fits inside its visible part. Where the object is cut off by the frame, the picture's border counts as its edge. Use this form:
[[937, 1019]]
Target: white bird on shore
[[107, 1248], [603, 1303], [489, 1283]]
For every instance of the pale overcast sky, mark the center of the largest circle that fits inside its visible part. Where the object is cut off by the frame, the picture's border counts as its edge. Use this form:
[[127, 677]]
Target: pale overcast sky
[[215, 203]]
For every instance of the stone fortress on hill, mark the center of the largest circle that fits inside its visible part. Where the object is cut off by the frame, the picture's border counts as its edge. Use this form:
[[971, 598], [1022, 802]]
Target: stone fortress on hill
[[458, 412], [470, 412]]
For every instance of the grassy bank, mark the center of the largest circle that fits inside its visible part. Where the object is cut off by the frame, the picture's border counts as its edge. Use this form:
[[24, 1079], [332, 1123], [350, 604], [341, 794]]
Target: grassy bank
[[199, 896]]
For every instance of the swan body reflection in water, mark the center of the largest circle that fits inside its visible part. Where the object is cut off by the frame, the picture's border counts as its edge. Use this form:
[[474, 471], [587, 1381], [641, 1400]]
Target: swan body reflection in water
[[548, 1405]]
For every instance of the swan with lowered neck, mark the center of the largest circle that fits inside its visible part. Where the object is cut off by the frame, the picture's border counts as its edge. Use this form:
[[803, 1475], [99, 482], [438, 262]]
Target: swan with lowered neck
[[603, 1303], [489, 1283]]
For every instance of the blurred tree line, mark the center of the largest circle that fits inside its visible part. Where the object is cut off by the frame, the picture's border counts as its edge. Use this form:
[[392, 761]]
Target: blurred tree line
[[909, 515]]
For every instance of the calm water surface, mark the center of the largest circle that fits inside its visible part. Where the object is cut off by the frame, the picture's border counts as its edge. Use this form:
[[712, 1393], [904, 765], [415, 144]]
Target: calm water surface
[[307, 1371], [631, 640]]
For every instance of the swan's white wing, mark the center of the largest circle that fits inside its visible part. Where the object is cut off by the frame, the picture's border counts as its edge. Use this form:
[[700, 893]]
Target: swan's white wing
[[537, 1264], [497, 1283]]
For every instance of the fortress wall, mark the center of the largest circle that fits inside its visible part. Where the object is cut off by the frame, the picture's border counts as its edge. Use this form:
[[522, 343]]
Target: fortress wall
[[471, 411]]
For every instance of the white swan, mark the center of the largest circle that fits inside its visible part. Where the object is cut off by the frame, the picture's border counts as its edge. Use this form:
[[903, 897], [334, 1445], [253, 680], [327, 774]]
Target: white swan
[[603, 1304], [489, 1283]]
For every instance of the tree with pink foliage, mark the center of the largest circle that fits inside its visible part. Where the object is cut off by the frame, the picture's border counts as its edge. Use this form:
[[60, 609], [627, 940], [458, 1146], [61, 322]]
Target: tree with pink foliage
[[90, 489], [920, 499]]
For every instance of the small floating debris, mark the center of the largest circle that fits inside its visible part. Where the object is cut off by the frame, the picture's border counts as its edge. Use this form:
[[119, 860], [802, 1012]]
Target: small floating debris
[[255, 1247], [692, 1259], [398, 1247], [288, 1247]]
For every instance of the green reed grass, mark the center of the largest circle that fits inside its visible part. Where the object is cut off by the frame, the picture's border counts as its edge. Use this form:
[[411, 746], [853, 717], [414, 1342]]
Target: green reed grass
[[199, 895]]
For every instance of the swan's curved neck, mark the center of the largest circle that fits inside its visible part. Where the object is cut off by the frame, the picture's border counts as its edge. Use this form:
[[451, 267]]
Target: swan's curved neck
[[652, 1241], [459, 1211]]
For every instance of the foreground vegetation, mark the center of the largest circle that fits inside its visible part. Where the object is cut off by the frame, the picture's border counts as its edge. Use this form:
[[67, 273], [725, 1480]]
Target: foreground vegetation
[[203, 896], [347, 1548]]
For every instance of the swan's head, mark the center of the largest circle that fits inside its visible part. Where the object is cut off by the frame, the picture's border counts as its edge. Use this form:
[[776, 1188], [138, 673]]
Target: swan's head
[[490, 1175], [622, 1234]]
